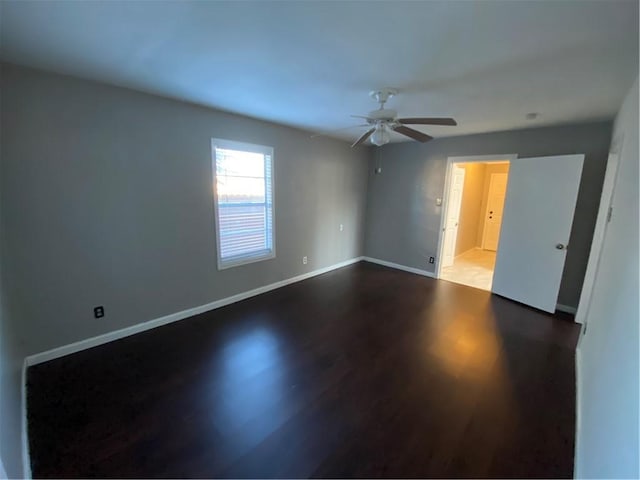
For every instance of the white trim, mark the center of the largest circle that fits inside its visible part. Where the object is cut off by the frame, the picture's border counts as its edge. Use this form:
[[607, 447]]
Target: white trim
[[247, 259], [501, 158], [24, 438], [397, 266], [559, 307], [174, 317], [566, 308], [455, 172], [242, 146], [600, 230], [467, 251], [576, 458]]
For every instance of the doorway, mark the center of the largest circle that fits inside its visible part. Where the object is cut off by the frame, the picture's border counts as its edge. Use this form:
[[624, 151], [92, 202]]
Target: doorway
[[470, 235]]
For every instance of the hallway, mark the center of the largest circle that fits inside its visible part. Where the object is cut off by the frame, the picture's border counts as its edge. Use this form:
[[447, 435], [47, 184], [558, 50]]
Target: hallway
[[473, 268]]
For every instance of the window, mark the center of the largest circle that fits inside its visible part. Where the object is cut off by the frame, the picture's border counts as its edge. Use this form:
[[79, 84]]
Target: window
[[243, 199]]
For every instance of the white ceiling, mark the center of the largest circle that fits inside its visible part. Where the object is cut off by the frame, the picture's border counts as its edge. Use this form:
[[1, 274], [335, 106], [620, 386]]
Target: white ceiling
[[312, 64]]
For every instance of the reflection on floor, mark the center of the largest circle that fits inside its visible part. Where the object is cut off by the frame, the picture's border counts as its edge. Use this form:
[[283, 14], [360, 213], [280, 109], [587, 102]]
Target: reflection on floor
[[363, 372], [473, 268]]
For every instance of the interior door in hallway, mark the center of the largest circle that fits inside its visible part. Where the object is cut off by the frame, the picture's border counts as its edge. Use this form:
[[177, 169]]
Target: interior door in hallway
[[493, 214], [453, 215], [536, 224]]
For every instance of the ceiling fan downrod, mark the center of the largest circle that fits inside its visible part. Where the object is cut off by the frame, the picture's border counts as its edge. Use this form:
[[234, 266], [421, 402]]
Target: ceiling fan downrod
[[383, 95]]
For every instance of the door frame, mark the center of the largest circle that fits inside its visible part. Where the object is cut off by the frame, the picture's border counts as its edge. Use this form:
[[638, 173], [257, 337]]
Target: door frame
[[605, 211], [503, 157], [446, 213]]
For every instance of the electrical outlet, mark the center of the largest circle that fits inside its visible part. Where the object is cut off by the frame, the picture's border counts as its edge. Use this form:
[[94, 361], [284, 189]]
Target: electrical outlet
[[304, 260], [432, 260], [378, 170], [98, 312], [341, 227]]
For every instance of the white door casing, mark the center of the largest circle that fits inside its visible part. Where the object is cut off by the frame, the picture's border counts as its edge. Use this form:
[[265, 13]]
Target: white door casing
[[604, 212], [537, 219], [452, 217], [493, 214]]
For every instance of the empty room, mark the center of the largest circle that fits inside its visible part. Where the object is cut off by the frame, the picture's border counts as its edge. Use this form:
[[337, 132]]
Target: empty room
[[287, 239]]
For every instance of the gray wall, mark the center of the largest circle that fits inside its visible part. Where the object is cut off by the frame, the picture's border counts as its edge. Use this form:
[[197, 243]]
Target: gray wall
[[403, 220], [11, 358], [607, 436], [107, 200]]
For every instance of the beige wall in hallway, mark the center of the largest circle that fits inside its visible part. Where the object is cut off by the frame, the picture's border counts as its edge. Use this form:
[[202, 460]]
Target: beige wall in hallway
[[474, 180], [474, 203], [489, 169]]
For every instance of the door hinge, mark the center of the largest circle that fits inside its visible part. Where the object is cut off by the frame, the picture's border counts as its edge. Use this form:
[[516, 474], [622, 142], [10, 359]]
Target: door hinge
[[609, 214], [584, 329]]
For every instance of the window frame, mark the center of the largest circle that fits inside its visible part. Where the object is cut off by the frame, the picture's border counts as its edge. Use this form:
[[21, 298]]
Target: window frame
[[244, 147]]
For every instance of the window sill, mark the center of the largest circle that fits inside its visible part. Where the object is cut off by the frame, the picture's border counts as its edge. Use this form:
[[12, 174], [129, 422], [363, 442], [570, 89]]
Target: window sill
[[230, 263]]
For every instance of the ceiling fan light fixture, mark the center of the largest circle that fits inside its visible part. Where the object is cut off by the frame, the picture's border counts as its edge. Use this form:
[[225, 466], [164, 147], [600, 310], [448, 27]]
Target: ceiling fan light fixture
[[383, 121], [380, 137]]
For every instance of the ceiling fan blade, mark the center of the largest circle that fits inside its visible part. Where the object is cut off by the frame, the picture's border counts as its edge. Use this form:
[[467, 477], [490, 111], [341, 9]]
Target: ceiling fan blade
[[411, 133], [364, 137], [329, 132], [428, 121], [361, 116]]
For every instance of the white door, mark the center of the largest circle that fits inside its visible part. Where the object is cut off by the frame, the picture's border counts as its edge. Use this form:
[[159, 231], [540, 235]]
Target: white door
[[452, 215], [493, 215], [538, 213]]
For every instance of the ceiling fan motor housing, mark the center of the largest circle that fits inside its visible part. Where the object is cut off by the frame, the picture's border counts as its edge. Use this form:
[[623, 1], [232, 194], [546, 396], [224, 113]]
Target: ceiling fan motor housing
[[384, 114]]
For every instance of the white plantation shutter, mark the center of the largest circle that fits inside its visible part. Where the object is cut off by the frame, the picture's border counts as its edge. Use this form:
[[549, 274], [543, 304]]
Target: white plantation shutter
[[243, 198]]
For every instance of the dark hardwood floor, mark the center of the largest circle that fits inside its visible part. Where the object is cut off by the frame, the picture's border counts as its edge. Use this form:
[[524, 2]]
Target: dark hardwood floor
[[362, 372]]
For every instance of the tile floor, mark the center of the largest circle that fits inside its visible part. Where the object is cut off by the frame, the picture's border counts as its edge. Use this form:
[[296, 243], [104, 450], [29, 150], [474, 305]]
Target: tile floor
[[473, 268]]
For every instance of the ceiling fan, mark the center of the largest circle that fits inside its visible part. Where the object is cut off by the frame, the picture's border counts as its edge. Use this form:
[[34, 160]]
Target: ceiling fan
[[384, 120]]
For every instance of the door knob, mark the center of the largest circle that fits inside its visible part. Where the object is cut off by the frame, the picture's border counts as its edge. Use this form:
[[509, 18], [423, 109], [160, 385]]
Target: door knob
[[560, 246]]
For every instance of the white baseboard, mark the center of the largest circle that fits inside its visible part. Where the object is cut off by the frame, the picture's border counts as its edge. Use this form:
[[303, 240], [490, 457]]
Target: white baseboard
[[397, 266], [468, 250], [560, 307], [141, 327], [174, 317], [566, 308], [576, 462], [24, 438]]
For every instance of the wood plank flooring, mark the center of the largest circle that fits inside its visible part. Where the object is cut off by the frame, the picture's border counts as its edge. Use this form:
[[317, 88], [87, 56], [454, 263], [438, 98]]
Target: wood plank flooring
[[362, 372]]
